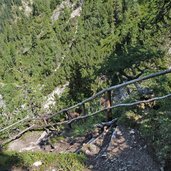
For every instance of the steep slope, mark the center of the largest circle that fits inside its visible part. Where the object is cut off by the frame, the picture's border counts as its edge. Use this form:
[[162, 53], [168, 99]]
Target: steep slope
[[87, 46]]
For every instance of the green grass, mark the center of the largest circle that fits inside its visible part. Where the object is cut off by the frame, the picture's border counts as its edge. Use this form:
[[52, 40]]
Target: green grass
[[56, 139], [80, 128], [63, 162]]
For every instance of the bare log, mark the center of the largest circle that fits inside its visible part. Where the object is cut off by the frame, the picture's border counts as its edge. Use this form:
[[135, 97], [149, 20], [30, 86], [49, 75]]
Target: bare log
[[109, 125]]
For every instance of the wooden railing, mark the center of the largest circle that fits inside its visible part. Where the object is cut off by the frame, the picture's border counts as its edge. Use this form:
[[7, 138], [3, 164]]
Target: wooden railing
[[108, 94], [110, 103]]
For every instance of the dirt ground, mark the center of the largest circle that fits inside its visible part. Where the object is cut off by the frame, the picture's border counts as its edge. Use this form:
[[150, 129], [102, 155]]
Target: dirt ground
[[126, 151], [117, 149]]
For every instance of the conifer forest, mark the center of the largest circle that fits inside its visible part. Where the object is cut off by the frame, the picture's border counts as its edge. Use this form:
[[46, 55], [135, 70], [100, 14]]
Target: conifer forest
[[85, 85]]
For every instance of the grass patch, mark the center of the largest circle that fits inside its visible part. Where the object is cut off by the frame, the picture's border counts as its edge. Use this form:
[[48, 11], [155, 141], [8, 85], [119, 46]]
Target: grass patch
[[129, 118], [56, 139], [82, 127], [63, 162]]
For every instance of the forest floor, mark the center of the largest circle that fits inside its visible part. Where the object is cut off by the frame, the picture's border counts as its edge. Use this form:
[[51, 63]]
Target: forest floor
[[116, 149]]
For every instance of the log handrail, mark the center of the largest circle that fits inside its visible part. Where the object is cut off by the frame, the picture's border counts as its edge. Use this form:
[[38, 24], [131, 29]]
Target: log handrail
[[36, 127], [92, 98], [109, 89], [111, 107], [20, 121]]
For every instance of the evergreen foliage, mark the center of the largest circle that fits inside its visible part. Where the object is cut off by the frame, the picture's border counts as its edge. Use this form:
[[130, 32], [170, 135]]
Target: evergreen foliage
[[112, 38], [106, 43]]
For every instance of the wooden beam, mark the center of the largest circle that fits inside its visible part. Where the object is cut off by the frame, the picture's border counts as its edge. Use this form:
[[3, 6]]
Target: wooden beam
[[114, 106], [49, 116]]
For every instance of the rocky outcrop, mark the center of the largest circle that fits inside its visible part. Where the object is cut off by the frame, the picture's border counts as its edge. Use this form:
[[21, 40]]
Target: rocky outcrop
[[51, 97], [76, 10], [120, 94], [2, 102], [26, 7], [59, 9], [169, 51]]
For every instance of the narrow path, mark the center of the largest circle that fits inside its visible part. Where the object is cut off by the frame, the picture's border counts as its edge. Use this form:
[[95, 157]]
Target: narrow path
[[118, 149], [125, 152]]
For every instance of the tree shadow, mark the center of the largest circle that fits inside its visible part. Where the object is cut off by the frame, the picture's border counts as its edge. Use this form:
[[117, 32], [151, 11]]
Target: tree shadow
[[10, 160], [121, 60]]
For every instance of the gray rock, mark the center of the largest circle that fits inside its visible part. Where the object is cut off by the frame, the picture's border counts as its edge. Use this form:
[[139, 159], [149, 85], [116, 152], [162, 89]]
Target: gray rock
[[2, 102]]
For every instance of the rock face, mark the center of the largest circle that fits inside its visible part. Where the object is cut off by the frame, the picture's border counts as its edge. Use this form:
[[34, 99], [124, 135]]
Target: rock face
[[169, 52], [76, 12], [66, 4], [120, 94], [51, 97], [37, 163], [90, 149], [28, 142], [26, 7], [59, 9]]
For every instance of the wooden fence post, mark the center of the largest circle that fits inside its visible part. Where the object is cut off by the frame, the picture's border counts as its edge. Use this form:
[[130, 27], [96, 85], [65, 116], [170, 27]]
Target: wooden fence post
[[83, 109], [108, 105]]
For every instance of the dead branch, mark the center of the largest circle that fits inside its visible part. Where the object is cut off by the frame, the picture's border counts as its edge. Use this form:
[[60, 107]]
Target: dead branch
[[109, 123]]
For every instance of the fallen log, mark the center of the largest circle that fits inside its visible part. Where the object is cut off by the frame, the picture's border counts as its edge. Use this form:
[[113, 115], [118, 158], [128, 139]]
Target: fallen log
[[109, 125]]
